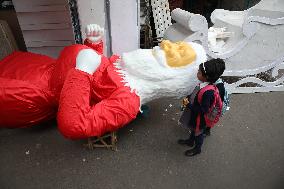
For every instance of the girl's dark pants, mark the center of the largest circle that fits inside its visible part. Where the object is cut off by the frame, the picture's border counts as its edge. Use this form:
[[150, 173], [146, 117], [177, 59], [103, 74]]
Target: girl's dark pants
[[198, 140]]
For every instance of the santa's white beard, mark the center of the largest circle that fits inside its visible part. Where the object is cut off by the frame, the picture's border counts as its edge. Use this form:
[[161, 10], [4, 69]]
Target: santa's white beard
[[152, 79]]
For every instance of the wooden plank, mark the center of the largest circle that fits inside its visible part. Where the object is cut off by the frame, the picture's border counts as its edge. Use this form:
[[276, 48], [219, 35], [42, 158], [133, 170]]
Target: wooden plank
[[48, 35], [44, 17], [41, 8], [49, 43], [46, 26], [18, 3], [49, 51], [6, 33]]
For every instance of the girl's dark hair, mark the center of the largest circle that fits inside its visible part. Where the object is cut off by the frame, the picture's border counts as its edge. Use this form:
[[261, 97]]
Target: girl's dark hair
[[214, 68]]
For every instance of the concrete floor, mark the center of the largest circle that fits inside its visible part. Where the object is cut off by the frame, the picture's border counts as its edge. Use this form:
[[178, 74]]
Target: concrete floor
[[244, 151]]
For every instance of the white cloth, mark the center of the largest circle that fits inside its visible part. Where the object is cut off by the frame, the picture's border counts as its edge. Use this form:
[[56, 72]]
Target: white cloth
[[203, 84]]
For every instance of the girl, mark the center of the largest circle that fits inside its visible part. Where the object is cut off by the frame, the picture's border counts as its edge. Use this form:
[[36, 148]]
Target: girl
[[208, 73]]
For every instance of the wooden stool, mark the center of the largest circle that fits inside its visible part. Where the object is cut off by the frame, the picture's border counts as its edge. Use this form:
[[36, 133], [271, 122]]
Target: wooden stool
[[108, 140]]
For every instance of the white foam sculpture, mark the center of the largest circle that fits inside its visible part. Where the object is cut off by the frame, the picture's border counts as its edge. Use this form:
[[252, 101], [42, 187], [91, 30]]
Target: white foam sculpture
[[255, 43]]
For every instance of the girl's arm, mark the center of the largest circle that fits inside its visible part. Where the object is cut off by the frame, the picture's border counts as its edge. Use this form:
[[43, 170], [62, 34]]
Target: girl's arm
[[221, 89]]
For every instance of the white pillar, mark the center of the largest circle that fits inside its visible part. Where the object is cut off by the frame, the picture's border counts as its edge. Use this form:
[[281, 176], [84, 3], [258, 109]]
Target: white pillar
[[121, 21], [92, 12], [125, 26]]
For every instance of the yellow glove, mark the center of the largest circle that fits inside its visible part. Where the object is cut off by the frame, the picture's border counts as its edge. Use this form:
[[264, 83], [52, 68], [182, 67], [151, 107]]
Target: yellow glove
[[185, 102]]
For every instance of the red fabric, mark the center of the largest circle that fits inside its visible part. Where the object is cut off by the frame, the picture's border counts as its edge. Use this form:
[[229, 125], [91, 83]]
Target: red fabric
[[65, 62], [26, 66], [31, 86], [25, 99], [217, 102], [99, 103], [79, 118], [99, 47]]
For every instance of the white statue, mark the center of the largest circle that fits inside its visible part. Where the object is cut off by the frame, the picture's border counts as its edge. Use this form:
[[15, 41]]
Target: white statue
[[89, 93], [250, 42]]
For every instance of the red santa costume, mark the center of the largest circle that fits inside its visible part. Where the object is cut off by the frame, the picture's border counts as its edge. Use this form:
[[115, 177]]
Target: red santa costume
[[30, 95], [36, 88], [92, 111]]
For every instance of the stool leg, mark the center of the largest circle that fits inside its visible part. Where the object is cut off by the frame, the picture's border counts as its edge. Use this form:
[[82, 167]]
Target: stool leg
[[114, 141], [99, 142]]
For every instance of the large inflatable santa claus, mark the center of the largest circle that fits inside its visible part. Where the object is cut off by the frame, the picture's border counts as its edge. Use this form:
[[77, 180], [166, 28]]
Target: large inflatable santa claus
[[89, 93]]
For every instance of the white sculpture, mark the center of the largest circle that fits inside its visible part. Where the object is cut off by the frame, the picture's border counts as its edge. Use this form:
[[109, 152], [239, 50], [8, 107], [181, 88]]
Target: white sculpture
[[254, 43]]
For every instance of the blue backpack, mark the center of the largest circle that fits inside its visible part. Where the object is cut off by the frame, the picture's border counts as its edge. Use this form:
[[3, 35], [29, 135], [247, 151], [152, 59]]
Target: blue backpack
[[227, 97]]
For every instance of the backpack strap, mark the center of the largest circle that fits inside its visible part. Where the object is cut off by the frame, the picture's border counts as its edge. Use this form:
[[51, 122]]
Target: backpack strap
[[199, 99], [203, 90]]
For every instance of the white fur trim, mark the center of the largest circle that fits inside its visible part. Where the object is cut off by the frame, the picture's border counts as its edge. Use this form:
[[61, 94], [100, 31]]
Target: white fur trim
[[149, 79]]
